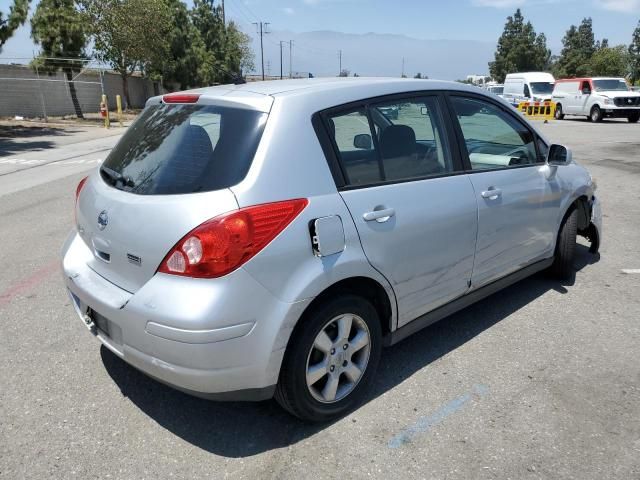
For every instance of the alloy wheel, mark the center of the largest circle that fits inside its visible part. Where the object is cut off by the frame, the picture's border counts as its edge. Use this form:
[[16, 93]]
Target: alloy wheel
[[338, 358]]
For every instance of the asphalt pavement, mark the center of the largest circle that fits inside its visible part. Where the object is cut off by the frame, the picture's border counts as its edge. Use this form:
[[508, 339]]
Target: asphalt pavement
[[540, 381]]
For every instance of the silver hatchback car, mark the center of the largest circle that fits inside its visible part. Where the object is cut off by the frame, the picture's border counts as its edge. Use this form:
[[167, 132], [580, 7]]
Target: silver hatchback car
[[268, 239]]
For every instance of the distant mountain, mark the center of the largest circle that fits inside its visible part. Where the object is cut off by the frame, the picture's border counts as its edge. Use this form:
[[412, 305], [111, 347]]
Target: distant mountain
[[374, 54]]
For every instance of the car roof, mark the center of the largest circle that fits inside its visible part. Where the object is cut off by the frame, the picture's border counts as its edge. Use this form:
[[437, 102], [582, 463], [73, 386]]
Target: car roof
[[586, 79], [314, 85], [532, 76]]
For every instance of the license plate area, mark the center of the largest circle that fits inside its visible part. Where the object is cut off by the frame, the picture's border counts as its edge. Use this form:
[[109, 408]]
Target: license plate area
[[100, 322], [105, 327]]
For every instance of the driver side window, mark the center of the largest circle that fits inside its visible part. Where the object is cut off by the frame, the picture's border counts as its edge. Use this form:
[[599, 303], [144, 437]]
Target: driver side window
[[493, 138]]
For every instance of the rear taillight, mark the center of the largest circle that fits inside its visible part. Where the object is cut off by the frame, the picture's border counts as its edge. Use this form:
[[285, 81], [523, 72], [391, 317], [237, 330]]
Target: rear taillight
[[224, 243]]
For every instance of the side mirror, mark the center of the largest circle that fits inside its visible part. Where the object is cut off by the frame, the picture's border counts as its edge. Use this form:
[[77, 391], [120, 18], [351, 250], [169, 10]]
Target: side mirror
[[559, 155], [362, 141]]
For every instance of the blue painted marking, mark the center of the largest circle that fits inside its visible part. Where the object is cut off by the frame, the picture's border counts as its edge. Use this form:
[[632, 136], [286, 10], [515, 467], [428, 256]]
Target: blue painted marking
[[424, 424]]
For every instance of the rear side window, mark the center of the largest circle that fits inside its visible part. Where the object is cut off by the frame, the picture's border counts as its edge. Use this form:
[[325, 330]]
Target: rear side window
[[407, 142], [174, 149]]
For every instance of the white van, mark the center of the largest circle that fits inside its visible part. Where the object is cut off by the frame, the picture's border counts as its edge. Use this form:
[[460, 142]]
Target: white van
[[534, 86], [596, 98]]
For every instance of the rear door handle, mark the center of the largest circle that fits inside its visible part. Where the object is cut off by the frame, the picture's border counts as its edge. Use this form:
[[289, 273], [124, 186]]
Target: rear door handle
[[491, 192], [379, 215]]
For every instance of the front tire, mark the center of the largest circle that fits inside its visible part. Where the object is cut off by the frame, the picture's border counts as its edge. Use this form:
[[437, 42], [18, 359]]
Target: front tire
[[331, 359], [596, 114], [558, 115], [562, 267], [634, 117]]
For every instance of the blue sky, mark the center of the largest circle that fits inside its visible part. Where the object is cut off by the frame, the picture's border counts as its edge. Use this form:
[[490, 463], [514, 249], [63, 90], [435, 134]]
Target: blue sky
[[480, 20]]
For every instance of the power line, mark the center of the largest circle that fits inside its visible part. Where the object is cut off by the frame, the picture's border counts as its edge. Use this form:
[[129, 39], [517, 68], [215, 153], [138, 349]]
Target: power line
[[243, 7], [241, 13]]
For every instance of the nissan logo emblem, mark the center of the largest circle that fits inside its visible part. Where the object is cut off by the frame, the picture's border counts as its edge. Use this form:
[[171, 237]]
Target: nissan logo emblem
[[103, 220]]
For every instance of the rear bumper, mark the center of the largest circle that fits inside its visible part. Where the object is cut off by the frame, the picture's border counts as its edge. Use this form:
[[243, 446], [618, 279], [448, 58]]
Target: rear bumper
[[220, 338]]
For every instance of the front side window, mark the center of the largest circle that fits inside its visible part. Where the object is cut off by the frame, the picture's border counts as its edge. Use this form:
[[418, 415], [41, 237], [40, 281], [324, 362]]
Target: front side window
[[494, 139], [407, 141]]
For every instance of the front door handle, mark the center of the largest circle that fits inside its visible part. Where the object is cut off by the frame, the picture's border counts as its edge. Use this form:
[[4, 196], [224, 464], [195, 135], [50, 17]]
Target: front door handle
[[379, 216], [491, 193]]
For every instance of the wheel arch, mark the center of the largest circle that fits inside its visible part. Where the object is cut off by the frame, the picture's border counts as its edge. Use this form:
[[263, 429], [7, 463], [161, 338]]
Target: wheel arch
[[581, 204], [365, 287]]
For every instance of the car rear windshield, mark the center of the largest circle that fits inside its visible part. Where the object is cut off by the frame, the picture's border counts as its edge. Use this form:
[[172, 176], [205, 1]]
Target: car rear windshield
[[609, 85], [173, 149]]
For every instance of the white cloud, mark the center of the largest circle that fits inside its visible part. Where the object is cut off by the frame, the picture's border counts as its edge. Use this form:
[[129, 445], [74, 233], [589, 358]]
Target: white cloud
[[288, 10], [619, 5]]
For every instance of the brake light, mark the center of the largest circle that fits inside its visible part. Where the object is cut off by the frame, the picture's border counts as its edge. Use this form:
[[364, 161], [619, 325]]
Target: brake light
[[181, 98], [224, 243]]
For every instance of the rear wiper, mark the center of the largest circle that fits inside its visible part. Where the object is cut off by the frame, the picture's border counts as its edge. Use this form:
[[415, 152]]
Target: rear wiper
[[116, 177]]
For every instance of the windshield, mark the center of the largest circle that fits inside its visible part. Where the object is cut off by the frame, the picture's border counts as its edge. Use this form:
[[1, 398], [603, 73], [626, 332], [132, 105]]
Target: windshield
[[611, 85], [542, 87], [172, 149]]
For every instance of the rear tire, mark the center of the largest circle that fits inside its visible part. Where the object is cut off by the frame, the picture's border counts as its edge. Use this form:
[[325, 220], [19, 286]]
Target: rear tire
[[596, 114], [562, 267], [634, 117], [320, 353], [558, 115]]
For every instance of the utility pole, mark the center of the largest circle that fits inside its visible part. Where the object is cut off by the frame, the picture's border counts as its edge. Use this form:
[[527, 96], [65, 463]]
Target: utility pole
[[290, 58], [262, 33], [281, 42], [402, 74], [223, 17], [268, 68], [340, 57]]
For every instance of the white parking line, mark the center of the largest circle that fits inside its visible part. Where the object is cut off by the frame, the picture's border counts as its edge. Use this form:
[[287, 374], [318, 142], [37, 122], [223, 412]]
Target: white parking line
[[631, 270], [24, 161]]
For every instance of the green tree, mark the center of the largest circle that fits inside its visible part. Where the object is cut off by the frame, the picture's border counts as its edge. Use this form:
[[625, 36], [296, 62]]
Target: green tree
[[59, 28], [129, 35], [207, 19], [579, 45], [18, 13], [519, 49], [610, 62], [229, 46], [238, 50], [189, 63], [634, 55]]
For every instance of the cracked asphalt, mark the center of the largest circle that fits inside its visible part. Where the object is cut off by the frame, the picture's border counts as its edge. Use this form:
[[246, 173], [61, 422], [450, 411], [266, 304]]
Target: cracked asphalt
[[540, 381]]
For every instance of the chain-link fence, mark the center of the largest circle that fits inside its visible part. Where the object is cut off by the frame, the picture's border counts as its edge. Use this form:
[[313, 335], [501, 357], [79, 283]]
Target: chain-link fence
[[29, 92]]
